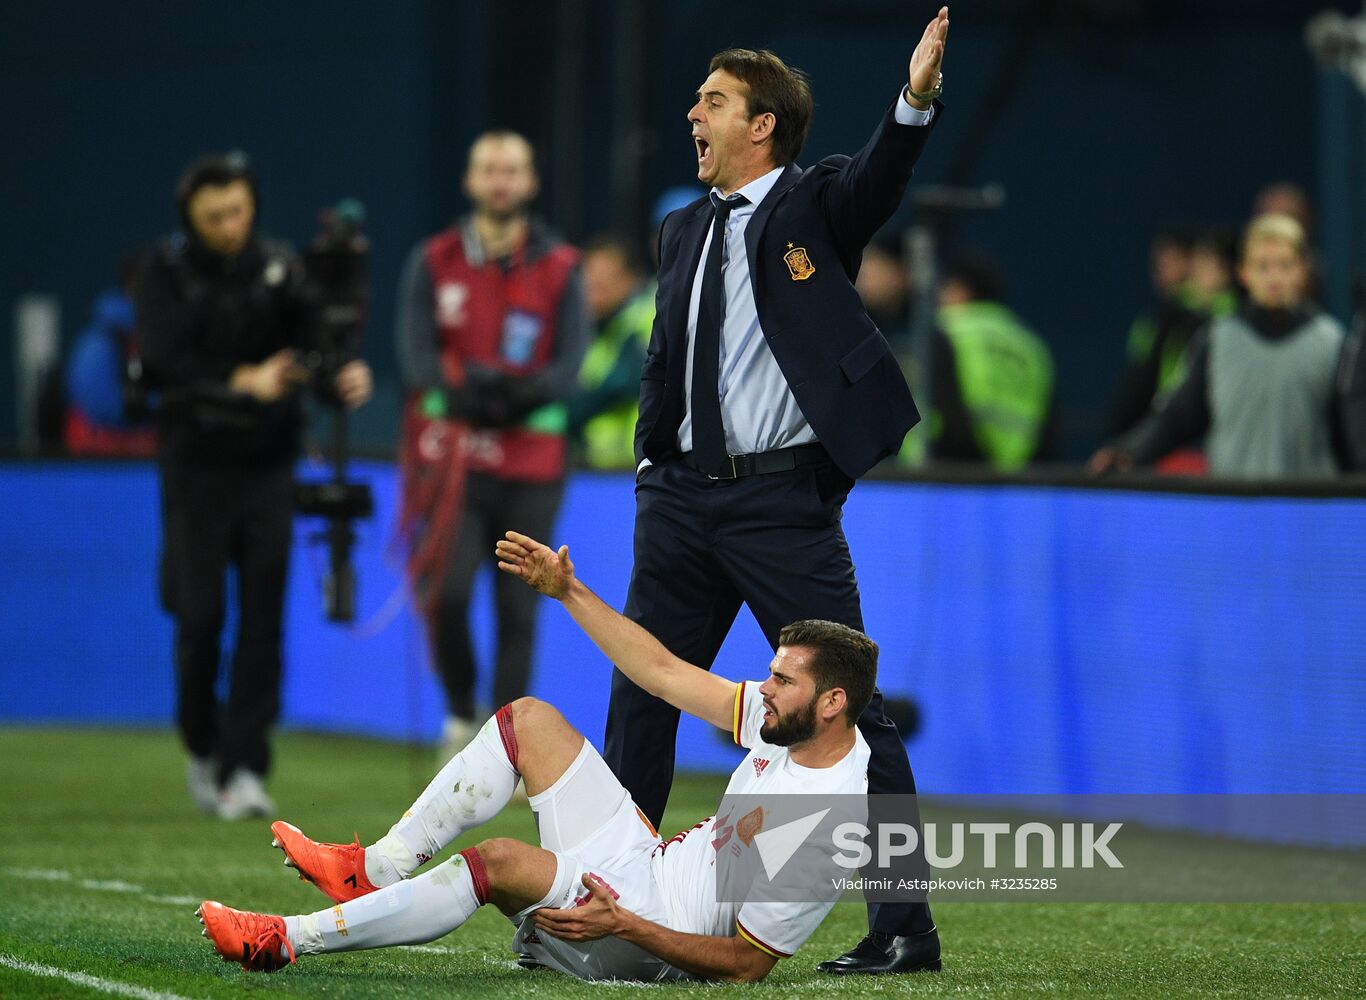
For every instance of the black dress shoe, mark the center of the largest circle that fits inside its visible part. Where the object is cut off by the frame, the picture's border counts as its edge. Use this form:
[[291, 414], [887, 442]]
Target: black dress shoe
[[880, 953]]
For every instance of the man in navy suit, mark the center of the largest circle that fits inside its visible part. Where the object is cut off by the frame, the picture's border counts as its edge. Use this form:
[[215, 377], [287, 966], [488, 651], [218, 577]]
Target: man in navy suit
[[766, 392]]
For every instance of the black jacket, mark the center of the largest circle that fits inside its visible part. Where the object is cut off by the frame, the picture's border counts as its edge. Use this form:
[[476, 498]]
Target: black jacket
[[201, 315]]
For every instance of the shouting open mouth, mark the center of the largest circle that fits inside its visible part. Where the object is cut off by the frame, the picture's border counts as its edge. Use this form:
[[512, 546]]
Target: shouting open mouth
[[704, 156]]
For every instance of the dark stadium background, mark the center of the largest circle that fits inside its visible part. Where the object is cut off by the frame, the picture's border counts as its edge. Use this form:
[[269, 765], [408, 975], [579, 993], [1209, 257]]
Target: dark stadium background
[[1102, 119]]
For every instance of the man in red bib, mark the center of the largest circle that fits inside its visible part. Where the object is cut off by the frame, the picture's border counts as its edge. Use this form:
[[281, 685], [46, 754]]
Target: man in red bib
[[491, 331]]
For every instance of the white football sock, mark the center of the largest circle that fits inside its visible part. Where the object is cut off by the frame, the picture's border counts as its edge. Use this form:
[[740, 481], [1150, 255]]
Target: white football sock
[[471, 789], [409, 912]]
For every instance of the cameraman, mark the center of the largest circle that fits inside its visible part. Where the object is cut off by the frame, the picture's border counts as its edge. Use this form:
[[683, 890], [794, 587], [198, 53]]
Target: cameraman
[[222, 313]]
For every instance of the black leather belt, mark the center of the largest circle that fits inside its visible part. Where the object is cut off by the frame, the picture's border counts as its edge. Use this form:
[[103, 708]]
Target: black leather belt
[[764, 462]]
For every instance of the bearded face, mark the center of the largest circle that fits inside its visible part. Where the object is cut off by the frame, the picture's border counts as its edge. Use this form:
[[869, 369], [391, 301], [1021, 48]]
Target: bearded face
[[501, 177], [797, 726]]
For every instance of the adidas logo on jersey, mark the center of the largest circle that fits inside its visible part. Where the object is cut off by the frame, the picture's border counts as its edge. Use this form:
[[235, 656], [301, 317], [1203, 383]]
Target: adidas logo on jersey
[[759, 765]]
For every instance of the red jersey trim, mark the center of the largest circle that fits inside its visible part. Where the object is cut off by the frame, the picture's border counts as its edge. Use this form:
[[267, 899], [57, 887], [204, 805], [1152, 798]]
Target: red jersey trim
[[478, 874], [508, 734]]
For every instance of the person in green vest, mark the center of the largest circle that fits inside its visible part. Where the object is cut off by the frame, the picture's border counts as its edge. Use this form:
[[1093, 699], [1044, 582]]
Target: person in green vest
[[1213, 287], [602, 417], [1192, 279], [993, 383]]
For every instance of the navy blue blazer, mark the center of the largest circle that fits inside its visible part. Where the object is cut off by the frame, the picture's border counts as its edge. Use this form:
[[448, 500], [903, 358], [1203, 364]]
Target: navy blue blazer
[[805, 244]]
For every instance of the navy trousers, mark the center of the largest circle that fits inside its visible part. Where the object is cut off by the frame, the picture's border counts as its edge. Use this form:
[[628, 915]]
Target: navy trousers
[[702, 548]]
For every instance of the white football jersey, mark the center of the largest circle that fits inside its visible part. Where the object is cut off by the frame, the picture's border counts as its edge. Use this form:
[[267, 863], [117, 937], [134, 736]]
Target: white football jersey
[[685, 866]]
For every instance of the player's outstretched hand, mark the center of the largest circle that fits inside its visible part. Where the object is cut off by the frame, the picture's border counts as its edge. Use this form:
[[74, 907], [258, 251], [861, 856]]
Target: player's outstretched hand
[[538, 565], [928, 59], [597, 918]]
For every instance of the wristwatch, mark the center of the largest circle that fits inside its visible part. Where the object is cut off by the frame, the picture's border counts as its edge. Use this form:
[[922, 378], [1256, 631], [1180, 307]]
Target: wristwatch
[[931, 96]]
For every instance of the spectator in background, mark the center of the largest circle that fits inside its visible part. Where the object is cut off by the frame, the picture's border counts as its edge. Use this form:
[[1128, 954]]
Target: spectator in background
[[98, 417], [1192, 277], [1289, 198], [1212, 289], [221, 313], [882, 285], [993, 377], [1286, 198], [1157, 342], [621, 303], [491, 333], [1261, 381]]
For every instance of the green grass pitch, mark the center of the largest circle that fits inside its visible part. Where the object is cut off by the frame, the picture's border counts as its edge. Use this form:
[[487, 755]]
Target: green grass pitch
[[104, 860]]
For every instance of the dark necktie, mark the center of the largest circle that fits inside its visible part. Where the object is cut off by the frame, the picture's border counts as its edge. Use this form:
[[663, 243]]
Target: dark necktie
[[708, 435]]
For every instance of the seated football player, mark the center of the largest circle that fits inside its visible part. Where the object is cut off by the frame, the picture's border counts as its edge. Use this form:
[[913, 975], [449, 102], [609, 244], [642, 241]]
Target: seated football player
[[601, 897]]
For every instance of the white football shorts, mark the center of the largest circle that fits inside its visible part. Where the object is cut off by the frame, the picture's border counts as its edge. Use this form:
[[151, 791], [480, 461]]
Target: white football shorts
[[588, 821]]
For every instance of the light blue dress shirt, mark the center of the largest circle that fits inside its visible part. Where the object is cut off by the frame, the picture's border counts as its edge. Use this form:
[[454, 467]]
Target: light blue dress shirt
[[758, 411]]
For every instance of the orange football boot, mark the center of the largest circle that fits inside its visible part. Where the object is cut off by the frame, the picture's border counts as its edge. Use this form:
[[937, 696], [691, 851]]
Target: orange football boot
[[337, 869], [256, 940]]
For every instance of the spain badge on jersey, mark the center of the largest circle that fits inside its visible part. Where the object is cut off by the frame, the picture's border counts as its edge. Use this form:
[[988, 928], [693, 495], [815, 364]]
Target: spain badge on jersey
[[798, 263]]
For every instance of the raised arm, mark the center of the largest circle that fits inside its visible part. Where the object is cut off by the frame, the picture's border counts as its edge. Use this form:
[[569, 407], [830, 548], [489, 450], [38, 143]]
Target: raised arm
[[861, 193], [923, 73], [636, 653]]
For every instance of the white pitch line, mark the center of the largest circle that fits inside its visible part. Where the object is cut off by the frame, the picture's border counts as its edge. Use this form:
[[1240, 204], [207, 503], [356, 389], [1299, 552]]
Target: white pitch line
[[175, 900], [98, 885], [85, 979], [38, 874], [111, 885]]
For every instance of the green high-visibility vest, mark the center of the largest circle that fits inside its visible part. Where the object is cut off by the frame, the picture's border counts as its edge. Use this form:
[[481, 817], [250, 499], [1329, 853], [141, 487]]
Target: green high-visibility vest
[[1171, 370], [609, 438], [1005, 374]]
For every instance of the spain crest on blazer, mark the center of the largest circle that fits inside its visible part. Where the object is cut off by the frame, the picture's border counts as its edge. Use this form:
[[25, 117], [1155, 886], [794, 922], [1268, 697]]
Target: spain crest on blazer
[[798, 263]]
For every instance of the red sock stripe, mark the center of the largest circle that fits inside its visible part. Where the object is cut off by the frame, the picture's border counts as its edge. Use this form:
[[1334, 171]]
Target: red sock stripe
[[508, 734], [478, 873]]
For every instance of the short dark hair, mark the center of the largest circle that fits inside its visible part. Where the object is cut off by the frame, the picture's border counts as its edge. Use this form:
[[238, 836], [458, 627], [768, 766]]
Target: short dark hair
[[844, 658], [213, 170], [1220, 241], [774, 88], [615, 243], [502, 135]]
